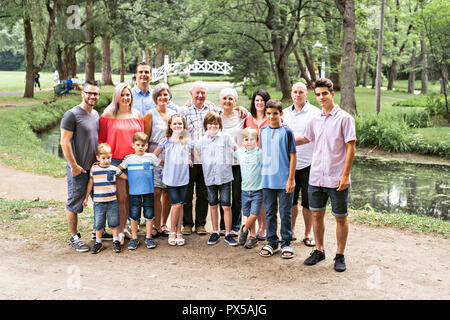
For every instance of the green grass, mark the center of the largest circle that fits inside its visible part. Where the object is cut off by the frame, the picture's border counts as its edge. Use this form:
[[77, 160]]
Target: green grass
[[410, 222], [37, 220], [435, 134], [15, 80]]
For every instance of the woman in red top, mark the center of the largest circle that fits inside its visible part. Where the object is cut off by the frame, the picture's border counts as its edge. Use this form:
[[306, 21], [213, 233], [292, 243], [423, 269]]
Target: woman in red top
[[117, 125], [257, 120]]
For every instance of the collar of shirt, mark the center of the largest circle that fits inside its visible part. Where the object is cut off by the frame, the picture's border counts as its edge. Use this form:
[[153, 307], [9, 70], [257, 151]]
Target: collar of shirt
[[304, 109], [251, 151], [332, 112], [142, 93], [218, 134]]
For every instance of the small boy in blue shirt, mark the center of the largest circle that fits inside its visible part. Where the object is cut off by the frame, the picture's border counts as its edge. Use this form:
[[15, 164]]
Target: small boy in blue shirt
[[140, 179], [250, 160], [278, 174]]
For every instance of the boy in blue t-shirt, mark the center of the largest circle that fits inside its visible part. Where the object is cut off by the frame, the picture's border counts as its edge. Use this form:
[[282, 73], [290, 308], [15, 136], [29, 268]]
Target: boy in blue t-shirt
[[140, 179], [278, 173]]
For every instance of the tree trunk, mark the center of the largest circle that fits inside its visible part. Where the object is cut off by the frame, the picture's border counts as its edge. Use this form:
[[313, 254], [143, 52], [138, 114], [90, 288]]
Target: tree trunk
[[29, 59], [379, 61], [366, 72], [334, 76], [31, 68], [59, 60], [90, 49], [301, 68], [359, 72], [106, 61], [122, 64], [424, 63], [159, 56], [412, 72], [310, 65], [348, 101], [69, 63], [392, 75]]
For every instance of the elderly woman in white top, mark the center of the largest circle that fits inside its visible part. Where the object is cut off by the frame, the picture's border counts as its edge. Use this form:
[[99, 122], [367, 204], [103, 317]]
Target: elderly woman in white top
[[233, 124]]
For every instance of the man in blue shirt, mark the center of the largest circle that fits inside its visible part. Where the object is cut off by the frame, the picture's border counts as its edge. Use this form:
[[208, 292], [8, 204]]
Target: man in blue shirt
[[142, 93]]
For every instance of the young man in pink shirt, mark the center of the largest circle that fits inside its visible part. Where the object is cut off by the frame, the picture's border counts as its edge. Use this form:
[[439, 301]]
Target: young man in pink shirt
[[334, 137]]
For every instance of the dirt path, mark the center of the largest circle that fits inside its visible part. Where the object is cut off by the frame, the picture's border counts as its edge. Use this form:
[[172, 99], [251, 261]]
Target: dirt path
[[383, 263]]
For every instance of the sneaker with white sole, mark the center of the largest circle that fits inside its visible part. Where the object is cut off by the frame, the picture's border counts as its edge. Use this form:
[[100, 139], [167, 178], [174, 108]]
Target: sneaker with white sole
[[98, 246], [230, 240], [215, 237], [133, 244], [78, 244]]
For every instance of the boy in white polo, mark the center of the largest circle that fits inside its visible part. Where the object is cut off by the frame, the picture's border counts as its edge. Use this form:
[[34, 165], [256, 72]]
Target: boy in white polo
[[334, 137]]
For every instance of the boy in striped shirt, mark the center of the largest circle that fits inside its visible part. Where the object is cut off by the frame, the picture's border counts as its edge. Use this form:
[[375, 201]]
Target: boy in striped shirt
[[103, 182]]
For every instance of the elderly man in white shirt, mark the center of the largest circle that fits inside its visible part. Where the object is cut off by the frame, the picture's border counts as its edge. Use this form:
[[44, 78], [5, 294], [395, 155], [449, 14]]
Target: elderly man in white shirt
[[297, 117]]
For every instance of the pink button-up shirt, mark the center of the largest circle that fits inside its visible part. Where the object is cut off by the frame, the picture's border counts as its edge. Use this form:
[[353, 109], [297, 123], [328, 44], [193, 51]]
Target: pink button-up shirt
[[329, 133]]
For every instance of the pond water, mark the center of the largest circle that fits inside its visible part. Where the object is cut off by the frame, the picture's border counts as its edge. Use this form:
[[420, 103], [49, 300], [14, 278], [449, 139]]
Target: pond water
[[386, 185]]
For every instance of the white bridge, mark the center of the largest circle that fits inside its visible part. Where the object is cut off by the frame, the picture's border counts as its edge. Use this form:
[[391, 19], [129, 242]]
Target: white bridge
[[170, 69]]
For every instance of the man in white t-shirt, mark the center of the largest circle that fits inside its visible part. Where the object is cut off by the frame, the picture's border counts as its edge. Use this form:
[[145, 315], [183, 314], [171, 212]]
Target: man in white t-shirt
[[296, 117]]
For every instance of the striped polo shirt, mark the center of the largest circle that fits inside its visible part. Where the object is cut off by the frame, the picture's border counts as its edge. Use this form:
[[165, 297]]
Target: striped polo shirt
[[140, 172], [104, 179]]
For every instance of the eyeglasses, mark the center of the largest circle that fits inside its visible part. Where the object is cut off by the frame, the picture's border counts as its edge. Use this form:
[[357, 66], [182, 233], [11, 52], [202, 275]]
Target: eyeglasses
[[95, 94]]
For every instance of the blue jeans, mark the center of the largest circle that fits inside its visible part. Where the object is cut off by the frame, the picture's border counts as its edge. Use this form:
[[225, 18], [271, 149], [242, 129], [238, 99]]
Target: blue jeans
[[252, 202], [177, 194], [102, 210], [144, 201], [271, 198], [225, 194]]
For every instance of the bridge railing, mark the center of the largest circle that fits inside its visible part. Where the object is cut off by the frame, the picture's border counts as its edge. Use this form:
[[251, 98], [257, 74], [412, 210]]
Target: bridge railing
[[170, 69]]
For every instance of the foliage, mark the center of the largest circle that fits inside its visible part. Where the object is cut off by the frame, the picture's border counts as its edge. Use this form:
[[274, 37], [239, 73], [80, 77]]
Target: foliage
[[393, 134]]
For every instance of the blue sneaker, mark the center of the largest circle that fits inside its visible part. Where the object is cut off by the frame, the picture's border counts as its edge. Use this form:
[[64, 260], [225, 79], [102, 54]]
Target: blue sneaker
[[150, 243], [133, 244], [230, 240], [214, 238]]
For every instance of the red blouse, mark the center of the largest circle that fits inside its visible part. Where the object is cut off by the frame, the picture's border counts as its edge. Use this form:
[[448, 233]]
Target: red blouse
[[250, 122], [118, 133]]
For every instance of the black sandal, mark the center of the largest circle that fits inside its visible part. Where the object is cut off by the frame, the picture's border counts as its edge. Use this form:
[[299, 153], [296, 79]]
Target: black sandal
[[158, 233], [165, 232]]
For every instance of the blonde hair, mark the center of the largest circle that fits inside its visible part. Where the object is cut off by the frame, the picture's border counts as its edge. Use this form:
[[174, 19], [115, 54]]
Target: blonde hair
[[118, 93], [104, 149], [247, 132], [141, 137]]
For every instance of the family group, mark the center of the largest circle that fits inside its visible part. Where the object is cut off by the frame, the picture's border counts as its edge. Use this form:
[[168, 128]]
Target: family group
[[145, 156]]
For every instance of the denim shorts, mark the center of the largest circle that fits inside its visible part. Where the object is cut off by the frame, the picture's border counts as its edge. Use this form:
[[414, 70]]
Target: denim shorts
[[177, 194], [76, 190], [301, 185], [252, 202], [144, 201], [318, 197], [103, 210], [225, 194]]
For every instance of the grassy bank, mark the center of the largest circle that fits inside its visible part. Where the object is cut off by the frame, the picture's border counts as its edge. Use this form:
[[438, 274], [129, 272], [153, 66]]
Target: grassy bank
[[19, 145]]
